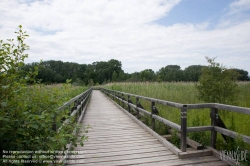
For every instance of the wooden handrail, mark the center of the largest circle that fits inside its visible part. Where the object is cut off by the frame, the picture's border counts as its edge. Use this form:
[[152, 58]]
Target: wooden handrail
[[78, 110], [214, 128], [81, 100], [74, 99]]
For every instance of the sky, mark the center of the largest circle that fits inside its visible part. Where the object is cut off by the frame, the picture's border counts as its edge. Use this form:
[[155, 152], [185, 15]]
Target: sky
[[142, 34]]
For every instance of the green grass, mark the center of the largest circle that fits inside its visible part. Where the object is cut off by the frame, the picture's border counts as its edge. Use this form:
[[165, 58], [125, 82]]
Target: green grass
[[28, 121], [186, 93], [57, 94]]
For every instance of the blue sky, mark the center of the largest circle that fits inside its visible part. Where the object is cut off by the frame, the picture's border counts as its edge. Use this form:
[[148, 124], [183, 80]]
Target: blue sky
[[142, 34], [196, 11]]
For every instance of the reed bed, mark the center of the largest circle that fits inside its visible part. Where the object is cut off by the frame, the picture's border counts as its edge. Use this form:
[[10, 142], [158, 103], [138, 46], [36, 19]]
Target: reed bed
[[186, 93]]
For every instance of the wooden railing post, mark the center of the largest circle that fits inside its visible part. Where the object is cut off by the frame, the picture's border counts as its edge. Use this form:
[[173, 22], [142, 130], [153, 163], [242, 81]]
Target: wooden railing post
[[137, 111], [122, 97], [77, 113], [81, 104], [214, 116], [107, 93], [113, 96], [152, 113], [118, 95], [128, 103], [184, 128]]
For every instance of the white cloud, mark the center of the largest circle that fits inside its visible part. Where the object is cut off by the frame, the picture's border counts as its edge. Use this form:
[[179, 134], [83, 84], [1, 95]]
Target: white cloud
[[85, 31], [239, 6], [237, 12]]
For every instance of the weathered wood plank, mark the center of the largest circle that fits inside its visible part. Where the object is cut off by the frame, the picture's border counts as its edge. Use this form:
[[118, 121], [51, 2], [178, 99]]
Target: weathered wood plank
[[112, 128], [167, 122], [199, 128], [193, 154], [190, 142], [167, 137], [188, 161], [120, 152], [103, 144], [142, 154], [129, 161], [140, 145], [121, 141], [154, 134], [217, 163], [232, 134], [164, 102], [233, 108], [114, 134], [117, 139]]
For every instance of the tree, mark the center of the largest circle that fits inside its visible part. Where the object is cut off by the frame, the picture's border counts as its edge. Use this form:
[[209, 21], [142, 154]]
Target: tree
[[114, 76], [217, 84], [170, 73], [192, 73], [147, 75], [12, 60], [134, 77], [26, 120], [243, 75]]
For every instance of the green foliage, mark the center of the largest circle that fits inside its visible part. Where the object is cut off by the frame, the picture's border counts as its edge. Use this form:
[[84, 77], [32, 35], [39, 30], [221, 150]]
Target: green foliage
[[186, 93], [28, 113], [103, 72], [58, 71], [243, 75], [147, 75], [192, 73], [218, 84], [114, 76], [170, 73], [12, 59], [175, 139]]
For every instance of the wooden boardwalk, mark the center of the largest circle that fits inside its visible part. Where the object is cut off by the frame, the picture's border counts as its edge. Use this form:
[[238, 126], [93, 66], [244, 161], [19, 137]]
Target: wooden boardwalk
[[116, 139]]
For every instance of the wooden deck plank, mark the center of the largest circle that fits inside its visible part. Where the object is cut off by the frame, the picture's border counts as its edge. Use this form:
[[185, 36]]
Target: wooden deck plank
[[121, 143], [128, 161], [114, 134], [116, 139], [217, 163], [129, 147], [189, 161], [118, 136], [112, 139], [146, 154], [121, 146], [118, 152]]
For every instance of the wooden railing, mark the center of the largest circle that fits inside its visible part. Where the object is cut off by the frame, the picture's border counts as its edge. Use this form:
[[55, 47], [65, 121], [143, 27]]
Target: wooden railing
[[217, 125], [76, 108]]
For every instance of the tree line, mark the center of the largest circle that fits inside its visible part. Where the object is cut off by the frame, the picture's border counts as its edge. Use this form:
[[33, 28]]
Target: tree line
[[102, 72]]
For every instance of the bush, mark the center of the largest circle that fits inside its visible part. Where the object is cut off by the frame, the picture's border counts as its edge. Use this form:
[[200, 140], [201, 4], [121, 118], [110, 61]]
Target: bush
[[218, 84], [27, 113]]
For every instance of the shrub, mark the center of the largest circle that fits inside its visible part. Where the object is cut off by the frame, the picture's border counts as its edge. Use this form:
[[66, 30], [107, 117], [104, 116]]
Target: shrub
[[218, 84], [27, 113]]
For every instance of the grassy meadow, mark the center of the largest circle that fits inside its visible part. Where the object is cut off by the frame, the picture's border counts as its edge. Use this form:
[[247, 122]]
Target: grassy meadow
[[186, 93], [55, 94], [40, 98]]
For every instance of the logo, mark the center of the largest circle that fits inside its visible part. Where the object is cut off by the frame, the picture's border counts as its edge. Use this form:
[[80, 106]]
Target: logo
[[233, 155]]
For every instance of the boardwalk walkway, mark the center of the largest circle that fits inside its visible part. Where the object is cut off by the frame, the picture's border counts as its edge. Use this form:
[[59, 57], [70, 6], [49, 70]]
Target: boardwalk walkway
[[115, 139]]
